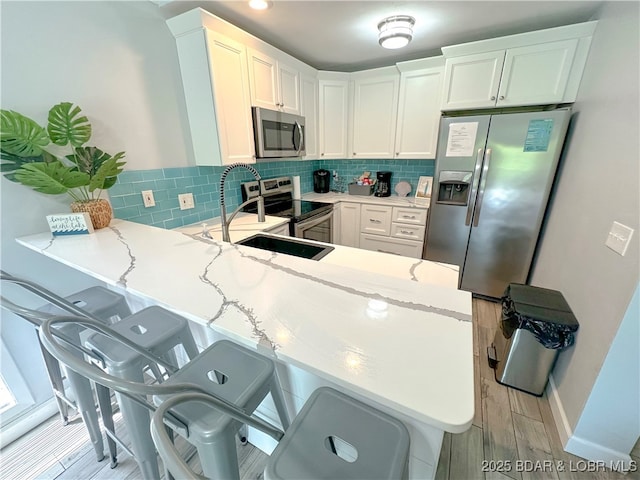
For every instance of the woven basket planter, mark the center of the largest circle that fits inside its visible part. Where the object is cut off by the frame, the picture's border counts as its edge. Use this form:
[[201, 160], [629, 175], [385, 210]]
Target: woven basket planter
[[99, 211]]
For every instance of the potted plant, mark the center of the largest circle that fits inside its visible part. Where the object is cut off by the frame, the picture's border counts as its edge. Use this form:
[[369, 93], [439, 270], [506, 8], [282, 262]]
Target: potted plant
[[27, 154]]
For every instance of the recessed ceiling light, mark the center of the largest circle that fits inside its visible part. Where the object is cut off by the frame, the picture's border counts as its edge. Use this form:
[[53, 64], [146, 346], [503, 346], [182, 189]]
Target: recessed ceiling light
[[396, 31], [259, 4]]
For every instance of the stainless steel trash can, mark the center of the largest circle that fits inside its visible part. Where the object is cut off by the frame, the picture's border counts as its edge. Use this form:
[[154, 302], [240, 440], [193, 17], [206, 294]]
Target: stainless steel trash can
[[536, 324]]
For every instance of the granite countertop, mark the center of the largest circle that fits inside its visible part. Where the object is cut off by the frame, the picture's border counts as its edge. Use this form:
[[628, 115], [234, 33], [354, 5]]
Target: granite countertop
[[399, 340]]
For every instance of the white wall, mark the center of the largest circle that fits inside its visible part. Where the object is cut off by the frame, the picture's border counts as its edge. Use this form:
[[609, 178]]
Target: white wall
[[599, 183], [118, 62]]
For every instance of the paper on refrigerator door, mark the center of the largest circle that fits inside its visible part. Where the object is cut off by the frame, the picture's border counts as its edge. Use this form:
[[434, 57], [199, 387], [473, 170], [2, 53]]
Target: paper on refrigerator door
[[296, 187], [462, 139]]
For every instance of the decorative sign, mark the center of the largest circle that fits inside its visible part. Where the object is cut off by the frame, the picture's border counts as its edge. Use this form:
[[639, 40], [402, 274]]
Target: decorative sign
[[425, 184], [70, 224]]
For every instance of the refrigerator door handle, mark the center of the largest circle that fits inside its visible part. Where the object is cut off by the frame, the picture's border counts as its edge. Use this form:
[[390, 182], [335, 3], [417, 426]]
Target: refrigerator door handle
[[474, 186], [483, 183]]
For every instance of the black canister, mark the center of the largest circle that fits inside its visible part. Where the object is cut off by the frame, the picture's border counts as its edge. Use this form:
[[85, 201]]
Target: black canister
[[321, 181]]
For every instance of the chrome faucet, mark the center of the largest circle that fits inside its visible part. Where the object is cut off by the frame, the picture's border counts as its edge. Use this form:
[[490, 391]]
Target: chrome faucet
[[223, 211]]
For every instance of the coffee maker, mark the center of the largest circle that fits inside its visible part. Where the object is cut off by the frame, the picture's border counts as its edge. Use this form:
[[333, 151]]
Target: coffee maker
[[383, 184], [321, 181]]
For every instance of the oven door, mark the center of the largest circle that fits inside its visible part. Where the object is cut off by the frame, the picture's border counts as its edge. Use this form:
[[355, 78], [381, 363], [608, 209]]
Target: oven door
[[318, 228]]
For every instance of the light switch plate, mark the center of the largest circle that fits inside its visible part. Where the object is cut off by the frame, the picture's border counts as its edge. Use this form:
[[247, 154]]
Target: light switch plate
[[186, 201], [619, 238], [147, 198]]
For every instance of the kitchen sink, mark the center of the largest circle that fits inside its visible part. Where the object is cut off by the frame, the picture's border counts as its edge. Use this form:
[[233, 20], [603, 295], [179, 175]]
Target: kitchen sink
[[289, 246]]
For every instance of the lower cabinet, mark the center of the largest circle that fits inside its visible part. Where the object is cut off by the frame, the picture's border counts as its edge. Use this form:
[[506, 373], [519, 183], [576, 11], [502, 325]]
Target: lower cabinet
[[349, 224], [383, 228]]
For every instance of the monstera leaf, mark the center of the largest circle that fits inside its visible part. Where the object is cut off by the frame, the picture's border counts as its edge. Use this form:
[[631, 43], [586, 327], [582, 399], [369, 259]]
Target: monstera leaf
[[21, 136], [51, 178], [11, 163], [68, 126]]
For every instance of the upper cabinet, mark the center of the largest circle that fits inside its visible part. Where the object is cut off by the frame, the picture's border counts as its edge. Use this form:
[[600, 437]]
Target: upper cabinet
[[309, 110], [214, 76], [535, 68], [274, 83], [333, 114], [418, 122], [374, 112]]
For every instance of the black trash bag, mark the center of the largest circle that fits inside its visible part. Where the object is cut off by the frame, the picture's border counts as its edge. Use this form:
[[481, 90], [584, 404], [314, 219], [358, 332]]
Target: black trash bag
[[555, 334]]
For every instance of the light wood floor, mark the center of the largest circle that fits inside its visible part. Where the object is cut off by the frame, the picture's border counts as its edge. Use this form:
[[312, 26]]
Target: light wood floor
[[509, 426]]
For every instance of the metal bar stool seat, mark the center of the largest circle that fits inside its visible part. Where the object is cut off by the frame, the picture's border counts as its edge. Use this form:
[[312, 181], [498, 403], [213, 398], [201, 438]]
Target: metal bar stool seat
[[100, 301], [337, 436], [159, 332], [97, 303], [333, 437], [237, 375], [224, 364]]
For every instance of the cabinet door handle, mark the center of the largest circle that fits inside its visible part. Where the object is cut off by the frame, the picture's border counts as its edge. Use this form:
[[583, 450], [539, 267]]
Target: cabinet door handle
[[410, 217], [373, 220], [406, 232], [493, 97], [501, 97]]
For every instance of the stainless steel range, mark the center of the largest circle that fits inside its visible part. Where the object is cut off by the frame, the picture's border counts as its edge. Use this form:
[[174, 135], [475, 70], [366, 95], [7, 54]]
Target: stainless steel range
[[310, 220]]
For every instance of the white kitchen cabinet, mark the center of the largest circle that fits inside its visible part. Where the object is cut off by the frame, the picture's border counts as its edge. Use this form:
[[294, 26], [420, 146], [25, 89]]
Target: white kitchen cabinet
[[375, 219], [333, 115], [309, 110], [472, 81], [396, 246], [216, 88], [536, 74], [534, 68], [349, 224], [374, 112], [391, 229], [274, 84], [419, 108]]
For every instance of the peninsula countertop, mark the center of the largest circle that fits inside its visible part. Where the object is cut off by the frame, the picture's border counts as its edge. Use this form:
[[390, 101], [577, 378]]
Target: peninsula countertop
[[404, 343]]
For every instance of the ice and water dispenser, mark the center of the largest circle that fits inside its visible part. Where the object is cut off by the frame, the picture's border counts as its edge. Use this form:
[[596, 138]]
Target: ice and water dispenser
[[454, 187]]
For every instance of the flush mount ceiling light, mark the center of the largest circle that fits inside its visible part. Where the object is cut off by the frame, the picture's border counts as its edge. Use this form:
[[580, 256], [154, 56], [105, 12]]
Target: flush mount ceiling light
[[396, 31], [259, 4]]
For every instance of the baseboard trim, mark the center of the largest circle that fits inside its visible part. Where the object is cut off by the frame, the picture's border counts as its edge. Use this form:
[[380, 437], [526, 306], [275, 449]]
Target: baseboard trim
[[578, 446], [557, 410], [28, 422], [601, 455]]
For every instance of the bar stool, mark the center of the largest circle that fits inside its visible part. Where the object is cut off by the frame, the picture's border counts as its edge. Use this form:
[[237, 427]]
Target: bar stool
[[337, 436], [97, 303], [334, 436], [237, 374]]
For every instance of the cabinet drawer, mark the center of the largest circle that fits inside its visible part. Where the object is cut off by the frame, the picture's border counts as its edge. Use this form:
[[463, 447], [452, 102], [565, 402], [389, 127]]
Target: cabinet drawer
[[375, 219], [410, 232], [413, 216], [396, 246]]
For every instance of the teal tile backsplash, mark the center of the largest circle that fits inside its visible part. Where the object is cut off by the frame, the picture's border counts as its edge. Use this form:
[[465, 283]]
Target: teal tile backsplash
[[203, 183]]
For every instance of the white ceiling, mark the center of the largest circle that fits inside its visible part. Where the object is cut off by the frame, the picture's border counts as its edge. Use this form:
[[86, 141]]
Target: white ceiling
[[342, 35]]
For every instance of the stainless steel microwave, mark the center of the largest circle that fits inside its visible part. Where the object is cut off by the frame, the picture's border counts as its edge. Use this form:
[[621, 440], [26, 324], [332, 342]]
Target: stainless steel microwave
[[277, 134]]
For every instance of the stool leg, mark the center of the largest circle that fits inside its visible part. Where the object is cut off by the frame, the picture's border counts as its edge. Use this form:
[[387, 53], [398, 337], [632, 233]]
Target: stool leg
[[278, 400], [87, 408], [104, 401], [138, 421], [219, 459], [55, 377], [189, 345]]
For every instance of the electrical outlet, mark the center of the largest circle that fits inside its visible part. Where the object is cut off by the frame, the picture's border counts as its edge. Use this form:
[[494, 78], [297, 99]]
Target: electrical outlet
[[186, 201], [619, 238], [147, 198]]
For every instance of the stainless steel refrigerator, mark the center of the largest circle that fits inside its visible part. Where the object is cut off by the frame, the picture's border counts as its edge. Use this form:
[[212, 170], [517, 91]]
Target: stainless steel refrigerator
[[490, 191]]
